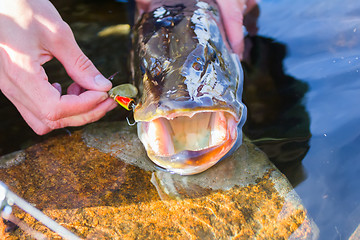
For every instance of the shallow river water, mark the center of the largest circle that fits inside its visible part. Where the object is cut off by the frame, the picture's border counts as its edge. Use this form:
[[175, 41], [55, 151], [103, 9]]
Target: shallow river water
[[323, 45], [302, 87]]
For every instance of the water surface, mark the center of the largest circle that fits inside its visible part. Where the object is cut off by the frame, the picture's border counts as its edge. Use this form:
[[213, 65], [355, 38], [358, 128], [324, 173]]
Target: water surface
[[323, 50]]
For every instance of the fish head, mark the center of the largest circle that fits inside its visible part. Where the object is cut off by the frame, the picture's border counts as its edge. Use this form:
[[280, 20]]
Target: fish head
[[190, 113]]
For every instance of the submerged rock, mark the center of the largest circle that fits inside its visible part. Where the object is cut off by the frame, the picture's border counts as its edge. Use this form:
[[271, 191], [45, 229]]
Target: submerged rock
[[105, 188]]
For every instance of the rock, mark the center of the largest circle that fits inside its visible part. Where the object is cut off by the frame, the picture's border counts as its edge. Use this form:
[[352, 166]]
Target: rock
[[12, 159], [2, 230], [108, 189], [356, 234]]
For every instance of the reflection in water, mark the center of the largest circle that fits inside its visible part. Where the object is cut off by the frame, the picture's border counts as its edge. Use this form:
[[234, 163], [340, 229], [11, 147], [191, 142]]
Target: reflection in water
[[277, 120]]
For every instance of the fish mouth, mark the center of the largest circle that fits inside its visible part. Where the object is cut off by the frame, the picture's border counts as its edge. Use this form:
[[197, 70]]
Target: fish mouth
[[189, 143]]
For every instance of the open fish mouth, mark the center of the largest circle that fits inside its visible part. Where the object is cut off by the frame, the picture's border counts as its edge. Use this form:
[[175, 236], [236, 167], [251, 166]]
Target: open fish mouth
[[189, 143]]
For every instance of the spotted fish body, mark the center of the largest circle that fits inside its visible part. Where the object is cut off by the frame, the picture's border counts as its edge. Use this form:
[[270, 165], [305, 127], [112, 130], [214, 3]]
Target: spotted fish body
[[190, 112]]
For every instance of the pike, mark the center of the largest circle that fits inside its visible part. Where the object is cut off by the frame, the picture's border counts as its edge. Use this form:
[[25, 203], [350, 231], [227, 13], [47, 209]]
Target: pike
[[190, 114]]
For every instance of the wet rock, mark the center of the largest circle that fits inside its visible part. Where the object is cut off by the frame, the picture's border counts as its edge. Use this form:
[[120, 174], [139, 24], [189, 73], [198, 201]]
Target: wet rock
[[12, 159], [105, 188], [120, 140], [2, 229]]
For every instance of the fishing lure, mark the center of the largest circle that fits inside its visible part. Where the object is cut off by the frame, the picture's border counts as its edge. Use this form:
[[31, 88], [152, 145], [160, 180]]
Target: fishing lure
[[123, 94]]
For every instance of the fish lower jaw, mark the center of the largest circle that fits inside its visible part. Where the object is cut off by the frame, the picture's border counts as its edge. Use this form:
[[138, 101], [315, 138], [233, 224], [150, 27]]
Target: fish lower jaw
[[189, 145], [192, 162]]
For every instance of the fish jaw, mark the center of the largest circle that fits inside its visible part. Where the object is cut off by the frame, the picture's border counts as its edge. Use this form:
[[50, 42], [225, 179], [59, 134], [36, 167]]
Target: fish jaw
[[189, 143]]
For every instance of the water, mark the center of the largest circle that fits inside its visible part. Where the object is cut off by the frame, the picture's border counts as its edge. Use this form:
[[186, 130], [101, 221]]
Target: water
[[322, 39], [302, 88]]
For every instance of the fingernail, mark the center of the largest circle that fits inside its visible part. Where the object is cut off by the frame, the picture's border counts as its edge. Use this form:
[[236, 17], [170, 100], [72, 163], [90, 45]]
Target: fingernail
[[101, 81]]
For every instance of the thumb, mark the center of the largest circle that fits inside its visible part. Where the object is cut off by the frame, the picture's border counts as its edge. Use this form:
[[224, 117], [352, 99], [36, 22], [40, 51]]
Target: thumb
[[78, 66]]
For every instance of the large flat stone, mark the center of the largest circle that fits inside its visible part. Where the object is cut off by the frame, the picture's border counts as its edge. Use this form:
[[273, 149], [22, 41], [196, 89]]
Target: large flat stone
[[106, 188]]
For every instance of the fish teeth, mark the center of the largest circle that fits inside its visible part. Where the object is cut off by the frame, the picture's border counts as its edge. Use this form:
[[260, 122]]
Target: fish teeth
[[158, 138]]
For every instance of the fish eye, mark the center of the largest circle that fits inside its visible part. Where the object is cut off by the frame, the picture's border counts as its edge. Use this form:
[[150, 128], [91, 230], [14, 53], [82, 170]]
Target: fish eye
[[197, 66]]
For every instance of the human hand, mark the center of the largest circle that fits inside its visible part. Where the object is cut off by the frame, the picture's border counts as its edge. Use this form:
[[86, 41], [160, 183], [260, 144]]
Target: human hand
[[233, 12], [31, 34]]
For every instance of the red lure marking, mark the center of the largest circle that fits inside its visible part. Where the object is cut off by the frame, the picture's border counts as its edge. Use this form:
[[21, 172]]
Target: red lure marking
[[125, 102]]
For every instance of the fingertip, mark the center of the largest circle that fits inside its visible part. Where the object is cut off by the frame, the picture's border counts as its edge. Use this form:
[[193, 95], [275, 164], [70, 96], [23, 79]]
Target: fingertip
[[75, 89], [57, 86], [103, 83], [238, 48]]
